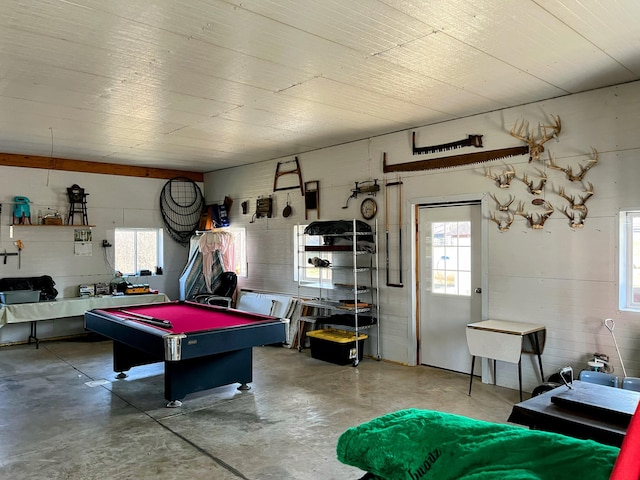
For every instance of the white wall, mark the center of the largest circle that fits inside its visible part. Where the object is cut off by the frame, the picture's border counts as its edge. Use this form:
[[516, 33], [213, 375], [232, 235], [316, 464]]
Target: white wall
[[563, 278], [113, 201]]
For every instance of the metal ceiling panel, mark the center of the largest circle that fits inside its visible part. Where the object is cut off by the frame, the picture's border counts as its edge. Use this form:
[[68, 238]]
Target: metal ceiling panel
[[207, 84], [379, 75], [368, 26], [605, 24], [389, 110], [529, 38]]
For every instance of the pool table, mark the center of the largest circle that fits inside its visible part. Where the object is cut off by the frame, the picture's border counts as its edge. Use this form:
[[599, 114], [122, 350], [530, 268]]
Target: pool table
[[202, 346]]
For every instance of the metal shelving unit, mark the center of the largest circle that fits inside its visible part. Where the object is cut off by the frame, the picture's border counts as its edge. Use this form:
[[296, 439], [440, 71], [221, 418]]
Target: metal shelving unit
[[341, 269]]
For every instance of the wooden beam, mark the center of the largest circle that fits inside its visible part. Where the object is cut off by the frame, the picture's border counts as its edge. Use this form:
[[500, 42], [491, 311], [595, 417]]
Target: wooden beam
[[49, 163]]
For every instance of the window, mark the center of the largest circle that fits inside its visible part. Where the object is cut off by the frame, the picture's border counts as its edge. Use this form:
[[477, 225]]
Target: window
[[629, 260], [137, 249], [303, 271], [451, 254]]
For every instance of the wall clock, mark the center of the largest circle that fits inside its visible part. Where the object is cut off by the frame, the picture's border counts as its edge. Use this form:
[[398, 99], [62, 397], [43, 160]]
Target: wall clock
[[368, 208]]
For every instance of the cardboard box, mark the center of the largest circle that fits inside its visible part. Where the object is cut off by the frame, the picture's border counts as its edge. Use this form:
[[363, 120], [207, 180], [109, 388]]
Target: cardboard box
[[336, 346], [19, 296]]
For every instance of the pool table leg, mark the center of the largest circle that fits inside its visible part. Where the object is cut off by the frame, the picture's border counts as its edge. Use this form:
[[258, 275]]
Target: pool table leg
[[203, 373], [125, 357]]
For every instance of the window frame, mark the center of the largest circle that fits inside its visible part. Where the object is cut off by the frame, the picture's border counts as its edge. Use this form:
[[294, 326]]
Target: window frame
[[626, 260], [159, 233], [441, 273], [301, 273]]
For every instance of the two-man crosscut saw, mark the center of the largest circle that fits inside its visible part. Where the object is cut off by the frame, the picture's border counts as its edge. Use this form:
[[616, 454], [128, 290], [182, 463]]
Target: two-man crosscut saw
[[455, 160]]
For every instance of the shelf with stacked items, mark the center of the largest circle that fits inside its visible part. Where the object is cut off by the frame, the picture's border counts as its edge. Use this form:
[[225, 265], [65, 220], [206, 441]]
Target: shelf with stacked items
[[63, 225], [34, 215], [334, 266], [340, 306]]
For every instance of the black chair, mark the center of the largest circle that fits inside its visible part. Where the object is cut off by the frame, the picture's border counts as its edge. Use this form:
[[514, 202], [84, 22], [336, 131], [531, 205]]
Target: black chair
[[222, 291], [77, 204]]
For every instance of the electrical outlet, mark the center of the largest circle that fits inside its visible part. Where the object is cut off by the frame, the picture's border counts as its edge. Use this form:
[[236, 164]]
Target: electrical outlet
[[106, 244]]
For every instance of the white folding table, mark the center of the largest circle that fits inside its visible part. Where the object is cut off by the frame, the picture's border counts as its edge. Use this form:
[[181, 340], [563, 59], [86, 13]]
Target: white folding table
[[505, 341], [68, 307]]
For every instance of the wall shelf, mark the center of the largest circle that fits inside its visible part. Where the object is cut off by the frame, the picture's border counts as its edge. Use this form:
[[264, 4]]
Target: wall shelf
[[49, 226], [27, 226]]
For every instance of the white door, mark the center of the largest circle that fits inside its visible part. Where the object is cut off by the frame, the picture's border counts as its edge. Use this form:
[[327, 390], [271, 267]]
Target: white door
[[449, 281]]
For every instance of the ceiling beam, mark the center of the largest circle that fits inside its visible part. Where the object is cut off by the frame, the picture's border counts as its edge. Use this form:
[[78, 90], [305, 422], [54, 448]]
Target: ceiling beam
[[51, 163]]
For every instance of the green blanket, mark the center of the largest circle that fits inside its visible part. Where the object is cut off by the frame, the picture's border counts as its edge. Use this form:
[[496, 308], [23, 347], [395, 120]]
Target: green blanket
[[421, 444]]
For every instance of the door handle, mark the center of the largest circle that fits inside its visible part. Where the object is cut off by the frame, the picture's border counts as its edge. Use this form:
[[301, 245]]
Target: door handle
[[478, 290]]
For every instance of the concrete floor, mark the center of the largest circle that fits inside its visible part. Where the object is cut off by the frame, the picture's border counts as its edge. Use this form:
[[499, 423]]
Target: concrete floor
[[56, 424]]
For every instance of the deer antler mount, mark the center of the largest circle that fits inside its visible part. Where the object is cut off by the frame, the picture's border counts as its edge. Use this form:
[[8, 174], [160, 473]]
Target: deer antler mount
[[503, 224], [503, 207], [536, 145], [503, 180], [577, 204], [575, 177], [537, 188], [575, 221], [536, 220]]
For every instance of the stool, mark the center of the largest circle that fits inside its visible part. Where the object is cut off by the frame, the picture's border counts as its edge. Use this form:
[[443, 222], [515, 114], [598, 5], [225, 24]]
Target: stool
[[77, 204]]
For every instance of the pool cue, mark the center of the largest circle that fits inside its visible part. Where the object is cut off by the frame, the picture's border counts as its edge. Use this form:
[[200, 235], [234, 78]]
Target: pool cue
[[148, 319]]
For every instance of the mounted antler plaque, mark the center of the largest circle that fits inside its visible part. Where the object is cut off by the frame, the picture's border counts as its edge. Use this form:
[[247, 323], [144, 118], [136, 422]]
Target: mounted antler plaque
[[536, 144]]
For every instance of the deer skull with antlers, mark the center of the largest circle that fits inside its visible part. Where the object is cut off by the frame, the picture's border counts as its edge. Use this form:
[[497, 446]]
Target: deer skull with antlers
[[503, 180], [573, 221], [503, 225], [537, 223], [536, 145], [577, 205], [569, 171], [535, 189], [503, 207]]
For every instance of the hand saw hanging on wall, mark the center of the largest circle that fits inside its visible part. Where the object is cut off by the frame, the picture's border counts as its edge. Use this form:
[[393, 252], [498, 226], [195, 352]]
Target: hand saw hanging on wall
[[470, 141]]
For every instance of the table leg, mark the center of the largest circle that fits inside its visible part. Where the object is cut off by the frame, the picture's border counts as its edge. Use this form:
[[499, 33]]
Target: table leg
[[473, 361], [126, 357], [537, 346], [34, 334], [495, 379], [520, 376], [203, 373]]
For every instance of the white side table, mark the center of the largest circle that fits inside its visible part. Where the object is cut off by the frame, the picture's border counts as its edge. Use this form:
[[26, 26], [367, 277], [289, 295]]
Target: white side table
[[505, 341]]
